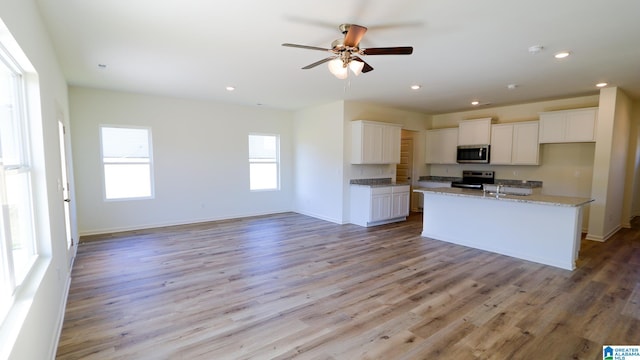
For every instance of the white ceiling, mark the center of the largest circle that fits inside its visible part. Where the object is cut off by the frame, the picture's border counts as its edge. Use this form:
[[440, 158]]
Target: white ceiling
[[463, 50]]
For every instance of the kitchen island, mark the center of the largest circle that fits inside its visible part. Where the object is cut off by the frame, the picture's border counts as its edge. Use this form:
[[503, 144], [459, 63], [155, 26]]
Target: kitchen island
[[541, 228]]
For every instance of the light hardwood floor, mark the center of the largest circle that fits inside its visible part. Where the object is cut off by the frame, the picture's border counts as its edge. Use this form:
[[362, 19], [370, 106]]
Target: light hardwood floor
[[290, 286]]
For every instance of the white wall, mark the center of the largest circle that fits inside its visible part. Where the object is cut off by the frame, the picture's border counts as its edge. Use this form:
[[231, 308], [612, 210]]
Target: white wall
[[319, 152], [200, 159], [323, 154], [634, 152], [610, 164], [32, 328]]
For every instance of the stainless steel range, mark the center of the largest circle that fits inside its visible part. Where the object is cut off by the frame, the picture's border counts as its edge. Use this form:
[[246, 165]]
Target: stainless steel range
[[474, 179]]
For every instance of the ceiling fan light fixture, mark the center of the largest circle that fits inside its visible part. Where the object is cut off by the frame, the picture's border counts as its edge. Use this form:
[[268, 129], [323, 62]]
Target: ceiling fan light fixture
[[338, 69], [356, 67]]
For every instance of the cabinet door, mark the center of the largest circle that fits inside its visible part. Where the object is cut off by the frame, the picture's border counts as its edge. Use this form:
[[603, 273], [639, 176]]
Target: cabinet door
[[441, 146], [375, 143], [502, 144], [400, 204], [474, 132], [581, 125], [525, 144], [372, 144], [552, 127], [380, 207], [391, 145]]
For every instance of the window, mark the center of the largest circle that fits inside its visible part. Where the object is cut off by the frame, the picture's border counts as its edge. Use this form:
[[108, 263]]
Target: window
[[126, 160], [264, 162], [18, 250]]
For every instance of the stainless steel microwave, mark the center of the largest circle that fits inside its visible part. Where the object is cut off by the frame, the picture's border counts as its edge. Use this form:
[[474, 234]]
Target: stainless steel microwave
[[476, 154]]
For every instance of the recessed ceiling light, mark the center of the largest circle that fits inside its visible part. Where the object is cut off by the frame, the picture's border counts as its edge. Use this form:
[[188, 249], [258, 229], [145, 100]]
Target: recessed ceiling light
[[415, 87], [475, 102], [602, 84], [562, 55], [230, 88]]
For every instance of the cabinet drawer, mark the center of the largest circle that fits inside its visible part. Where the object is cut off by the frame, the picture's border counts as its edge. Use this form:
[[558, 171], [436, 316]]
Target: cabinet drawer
[[381, 190], [400, 189]]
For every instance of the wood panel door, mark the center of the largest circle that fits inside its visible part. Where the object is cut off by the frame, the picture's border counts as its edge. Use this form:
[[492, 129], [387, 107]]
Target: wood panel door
[[404, 169]]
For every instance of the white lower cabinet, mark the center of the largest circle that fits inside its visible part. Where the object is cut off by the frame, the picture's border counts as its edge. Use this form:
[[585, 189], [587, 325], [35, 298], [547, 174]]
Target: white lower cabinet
[[379, 204], [400, 199]]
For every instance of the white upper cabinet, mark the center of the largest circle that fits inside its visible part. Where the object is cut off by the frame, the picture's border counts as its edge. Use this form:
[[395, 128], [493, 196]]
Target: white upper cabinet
[[526, 148], [515, 144], [441, 146], [375, 142], [474, 132], [501, 144], [567, 126]]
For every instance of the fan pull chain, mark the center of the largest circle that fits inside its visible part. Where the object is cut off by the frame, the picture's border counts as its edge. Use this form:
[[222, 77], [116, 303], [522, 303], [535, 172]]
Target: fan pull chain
[[347, 85]]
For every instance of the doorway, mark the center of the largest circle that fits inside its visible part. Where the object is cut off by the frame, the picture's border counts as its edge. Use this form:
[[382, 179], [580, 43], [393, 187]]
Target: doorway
[[404, 170]]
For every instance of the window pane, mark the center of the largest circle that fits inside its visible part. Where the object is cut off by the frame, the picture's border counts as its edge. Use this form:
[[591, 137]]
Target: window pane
[[125, 143], [21, 223], [262, 147], [10, 137], [263, 176], [127, 180]]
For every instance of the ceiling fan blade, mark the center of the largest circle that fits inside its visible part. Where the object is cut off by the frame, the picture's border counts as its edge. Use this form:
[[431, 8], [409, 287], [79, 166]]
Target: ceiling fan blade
[[354, 35], [319, 62], [400, 50], [366, 68], [305, 47]]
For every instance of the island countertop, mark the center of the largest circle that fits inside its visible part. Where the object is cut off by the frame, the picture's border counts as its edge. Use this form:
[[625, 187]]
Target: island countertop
[[533, 198]]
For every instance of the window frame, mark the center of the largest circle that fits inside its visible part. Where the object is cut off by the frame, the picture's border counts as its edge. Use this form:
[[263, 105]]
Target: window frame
[[276, 161], [12, 279], [150, 163]]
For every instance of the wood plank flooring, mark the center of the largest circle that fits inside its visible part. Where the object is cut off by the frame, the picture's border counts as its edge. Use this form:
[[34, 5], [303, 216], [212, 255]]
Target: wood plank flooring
[[289, 286]]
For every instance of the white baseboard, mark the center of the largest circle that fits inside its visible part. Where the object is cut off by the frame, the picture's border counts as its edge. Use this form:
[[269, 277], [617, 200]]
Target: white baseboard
[[56, 340], [176, 223], [605, 237]]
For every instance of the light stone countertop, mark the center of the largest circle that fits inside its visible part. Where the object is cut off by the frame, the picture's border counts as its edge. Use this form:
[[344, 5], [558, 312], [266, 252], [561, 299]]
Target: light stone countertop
[[381, 185], [532, 199]]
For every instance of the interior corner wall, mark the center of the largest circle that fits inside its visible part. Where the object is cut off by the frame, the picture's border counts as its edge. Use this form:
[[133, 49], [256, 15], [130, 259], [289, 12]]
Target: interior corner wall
[[610, 163], [631, 178], [410, 120], [319, 153], [635, 133], [200, 160]]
